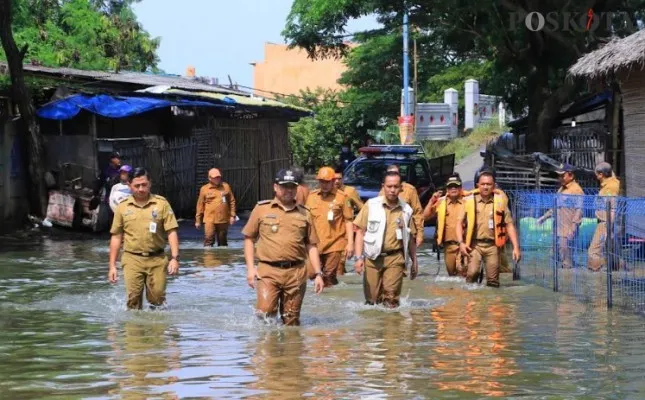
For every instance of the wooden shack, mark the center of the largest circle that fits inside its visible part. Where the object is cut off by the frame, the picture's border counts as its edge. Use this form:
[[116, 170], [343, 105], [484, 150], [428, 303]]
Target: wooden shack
[[619, 65], [198, 126]]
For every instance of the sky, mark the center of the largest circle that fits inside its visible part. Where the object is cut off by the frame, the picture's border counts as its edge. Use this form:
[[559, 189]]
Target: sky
[[218, 37]]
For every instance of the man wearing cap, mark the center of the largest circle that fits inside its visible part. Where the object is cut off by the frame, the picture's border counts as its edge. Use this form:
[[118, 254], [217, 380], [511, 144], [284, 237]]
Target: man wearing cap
[[121, 190], [609, 187], [448, 210], [332, 216], [284, 235], [569, 213], [409, 195], [385, 244], [216, 207]]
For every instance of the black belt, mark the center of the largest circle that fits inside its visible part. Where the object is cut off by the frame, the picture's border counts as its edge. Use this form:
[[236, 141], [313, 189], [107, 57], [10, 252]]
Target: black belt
[[390, 252], [450, 242], [146, 254], [598, 220], [489, 241], [284, 264]]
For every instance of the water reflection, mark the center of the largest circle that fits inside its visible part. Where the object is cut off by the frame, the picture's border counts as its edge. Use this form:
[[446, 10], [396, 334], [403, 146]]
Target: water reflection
[[277, 363], [142, 355], [471, 341]]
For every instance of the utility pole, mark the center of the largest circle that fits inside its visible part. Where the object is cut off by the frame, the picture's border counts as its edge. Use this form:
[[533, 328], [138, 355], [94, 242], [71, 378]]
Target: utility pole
[[415, 84], [406, 50]]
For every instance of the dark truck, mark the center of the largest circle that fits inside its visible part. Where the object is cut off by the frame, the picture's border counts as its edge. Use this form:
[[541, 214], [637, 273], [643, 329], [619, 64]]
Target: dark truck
[[426, 175]]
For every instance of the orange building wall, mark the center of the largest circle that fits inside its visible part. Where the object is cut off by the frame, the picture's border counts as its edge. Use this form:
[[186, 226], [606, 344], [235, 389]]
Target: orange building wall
[[289, 71]]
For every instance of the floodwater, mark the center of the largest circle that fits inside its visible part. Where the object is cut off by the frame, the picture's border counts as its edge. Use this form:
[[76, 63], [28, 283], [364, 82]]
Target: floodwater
[[65, 333]]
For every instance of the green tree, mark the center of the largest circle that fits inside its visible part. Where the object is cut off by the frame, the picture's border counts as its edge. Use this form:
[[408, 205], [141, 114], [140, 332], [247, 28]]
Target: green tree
[[96, 35], [528, 67], [316, 141]]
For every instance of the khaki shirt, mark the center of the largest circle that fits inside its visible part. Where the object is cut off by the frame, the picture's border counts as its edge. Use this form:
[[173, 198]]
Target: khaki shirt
[[331, 234], [353, 196], [216, 204], [409, 195], [454, 215], [484, 213], [609, 187], [390, 242], [569, 209], [282, 235], [302, 194], [136, 223]]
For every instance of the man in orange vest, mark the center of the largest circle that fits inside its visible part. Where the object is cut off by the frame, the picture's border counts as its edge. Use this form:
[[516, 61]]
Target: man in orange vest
[[448, 210], [489, 224], [609, 187]]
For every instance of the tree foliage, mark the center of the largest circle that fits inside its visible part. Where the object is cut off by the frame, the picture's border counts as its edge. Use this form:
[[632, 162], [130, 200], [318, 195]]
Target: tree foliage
[[97, 35], [317, 141], [527, 67]]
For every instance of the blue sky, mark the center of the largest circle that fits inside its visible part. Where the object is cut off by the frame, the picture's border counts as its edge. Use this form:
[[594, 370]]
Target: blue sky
[[218, 37]]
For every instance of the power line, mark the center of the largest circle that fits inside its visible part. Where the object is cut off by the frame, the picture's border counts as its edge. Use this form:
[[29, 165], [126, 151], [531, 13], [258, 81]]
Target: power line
[[301, 97]]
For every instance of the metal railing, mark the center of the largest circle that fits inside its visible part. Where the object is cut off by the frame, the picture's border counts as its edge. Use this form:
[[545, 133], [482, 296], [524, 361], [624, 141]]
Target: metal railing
[[590, 247]]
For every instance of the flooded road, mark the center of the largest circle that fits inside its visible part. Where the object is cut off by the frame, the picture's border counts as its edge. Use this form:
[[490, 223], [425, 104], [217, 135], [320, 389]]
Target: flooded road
[[65, 333]]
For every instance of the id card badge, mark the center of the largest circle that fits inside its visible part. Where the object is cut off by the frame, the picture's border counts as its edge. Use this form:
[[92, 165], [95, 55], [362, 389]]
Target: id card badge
[[330, 215], [491, 224], [153, 227], [223, 199], [399, 234]]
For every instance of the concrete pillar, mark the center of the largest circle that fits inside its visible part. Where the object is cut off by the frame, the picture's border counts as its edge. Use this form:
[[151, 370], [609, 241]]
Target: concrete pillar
[[472, 104], [451, 97]]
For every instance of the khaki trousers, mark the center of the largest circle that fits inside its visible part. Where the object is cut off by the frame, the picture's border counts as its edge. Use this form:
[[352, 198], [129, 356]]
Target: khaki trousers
[[596, 249], [147, 273], [383, 280], [452, 259], [330, 264], [489, 255], [212, 231], [564, 252], [281, 287]]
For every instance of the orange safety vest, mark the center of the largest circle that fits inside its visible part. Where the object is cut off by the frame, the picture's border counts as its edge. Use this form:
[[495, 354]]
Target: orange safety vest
[[500, 202], [441, 216]]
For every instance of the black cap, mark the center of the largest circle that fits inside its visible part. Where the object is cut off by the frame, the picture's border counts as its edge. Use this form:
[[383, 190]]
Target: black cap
[[115, 154], [286, 176], [453, 181], [565, 168]]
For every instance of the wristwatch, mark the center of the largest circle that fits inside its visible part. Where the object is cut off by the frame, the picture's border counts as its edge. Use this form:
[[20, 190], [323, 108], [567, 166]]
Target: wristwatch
[[320, 274], [174, 257], [361, 257]]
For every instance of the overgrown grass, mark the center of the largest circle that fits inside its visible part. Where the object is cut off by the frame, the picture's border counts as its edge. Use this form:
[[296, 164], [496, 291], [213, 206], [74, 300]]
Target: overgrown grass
[[465, 145]]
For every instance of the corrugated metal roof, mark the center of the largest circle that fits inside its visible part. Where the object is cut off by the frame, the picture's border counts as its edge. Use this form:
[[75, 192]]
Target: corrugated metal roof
[[243, 100], [136, 78]]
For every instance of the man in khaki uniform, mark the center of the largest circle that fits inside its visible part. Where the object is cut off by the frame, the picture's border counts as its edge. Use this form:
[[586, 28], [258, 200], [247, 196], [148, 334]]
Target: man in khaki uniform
[[409, 195], [383, 277], [491, 225], [216, 207], [609, 187], [285, 236], [357, 204], [142, 221], [352, 194], [332, 218], [449, 210], [303, 190], [569, 214]]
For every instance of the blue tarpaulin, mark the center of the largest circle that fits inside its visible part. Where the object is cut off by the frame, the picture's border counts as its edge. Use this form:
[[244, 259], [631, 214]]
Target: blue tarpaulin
[[112, 106]]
